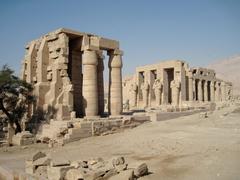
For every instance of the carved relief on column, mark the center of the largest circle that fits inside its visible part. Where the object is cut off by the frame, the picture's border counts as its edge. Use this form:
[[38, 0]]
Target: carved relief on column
[[115, 82], [200, 91], [175, 86], [212, 91], [205, 91], [133, 91], [157, 86], [145, 92], [90, 88]]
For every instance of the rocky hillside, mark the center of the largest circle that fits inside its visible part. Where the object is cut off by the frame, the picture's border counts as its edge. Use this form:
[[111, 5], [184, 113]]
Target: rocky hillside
[[229, 70]]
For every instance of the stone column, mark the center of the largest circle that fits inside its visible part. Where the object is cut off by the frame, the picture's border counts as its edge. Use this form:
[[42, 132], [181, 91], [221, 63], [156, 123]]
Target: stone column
[[90, 86], [223, 91], [115, 83], [212, 91], [200, 93], [217, 91], [190, 87], [100, 82], [175, 86], [205, 91], [194, 89]]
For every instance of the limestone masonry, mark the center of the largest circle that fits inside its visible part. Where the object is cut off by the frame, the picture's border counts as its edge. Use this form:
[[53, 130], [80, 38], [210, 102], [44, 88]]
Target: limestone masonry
[[66, 69], [174, 83]]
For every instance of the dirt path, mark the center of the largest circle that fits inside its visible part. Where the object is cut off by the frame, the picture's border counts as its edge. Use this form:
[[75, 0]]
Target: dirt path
[[183, 148]]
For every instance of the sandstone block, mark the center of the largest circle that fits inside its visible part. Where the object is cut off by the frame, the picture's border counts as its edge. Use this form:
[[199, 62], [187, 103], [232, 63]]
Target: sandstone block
[[118, 161], [141, 170], [57, 173], [37, 156], [73, 174], [124, 175]]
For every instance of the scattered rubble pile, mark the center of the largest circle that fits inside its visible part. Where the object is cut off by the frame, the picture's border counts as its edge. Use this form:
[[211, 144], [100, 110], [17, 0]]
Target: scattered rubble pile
[[62, 132], [47, 167]]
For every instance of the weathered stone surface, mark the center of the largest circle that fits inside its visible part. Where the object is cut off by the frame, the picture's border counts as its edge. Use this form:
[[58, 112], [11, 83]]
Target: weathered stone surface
[[118, 161], [57, 173], [124, 175], [38, 155], [73, 174], [141, 170], [55, 63], [203, 115], [23, 138], [174, 83]]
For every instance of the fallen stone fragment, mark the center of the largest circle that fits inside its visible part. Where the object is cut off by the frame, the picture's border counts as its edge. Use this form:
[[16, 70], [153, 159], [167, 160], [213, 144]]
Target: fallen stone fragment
[[121, 167], [23, 138], [45, 161], [141, 170], [203, 115], [58, 160], [124, 175], [38, 155], [74, 174], [117, 161], [110, 173], [57, 173]]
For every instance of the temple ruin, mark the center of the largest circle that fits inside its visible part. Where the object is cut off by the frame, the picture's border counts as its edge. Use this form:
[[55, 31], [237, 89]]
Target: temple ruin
[[66, 68], [174, 83]]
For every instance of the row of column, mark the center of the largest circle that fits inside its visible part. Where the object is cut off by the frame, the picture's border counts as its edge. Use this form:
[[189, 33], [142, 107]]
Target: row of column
[[93, 83], [217, 90]]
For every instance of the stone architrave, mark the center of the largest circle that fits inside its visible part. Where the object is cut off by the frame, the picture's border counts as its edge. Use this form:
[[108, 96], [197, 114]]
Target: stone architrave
[[90, 89], [212, 91], [145, 92], [133, 91], [157, 86], [175, 86], [115, 85]]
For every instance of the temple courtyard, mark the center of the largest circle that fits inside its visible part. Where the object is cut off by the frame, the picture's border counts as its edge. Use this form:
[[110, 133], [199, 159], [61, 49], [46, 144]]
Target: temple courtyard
[[188, 147]]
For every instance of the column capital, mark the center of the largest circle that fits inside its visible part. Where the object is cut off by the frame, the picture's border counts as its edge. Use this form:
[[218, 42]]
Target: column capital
[[90, 57], [115, 61]]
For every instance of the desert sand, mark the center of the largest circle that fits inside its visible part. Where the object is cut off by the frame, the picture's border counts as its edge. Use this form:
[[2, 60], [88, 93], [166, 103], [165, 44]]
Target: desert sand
[[186, 148]]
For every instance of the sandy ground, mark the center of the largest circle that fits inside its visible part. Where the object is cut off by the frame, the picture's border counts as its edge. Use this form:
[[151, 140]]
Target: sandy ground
[[188, 148]]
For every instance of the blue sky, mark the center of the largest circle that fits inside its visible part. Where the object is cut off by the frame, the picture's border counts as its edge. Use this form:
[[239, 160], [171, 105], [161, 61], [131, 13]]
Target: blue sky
[[198, 31]]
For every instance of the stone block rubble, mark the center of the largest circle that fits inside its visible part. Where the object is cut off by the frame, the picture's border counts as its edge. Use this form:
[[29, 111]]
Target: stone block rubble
[[42, 165], [62, 132]]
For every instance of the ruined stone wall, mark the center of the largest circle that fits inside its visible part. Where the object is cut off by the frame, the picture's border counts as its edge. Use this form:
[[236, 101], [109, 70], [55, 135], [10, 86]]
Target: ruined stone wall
[[176, 84], [66, 69]]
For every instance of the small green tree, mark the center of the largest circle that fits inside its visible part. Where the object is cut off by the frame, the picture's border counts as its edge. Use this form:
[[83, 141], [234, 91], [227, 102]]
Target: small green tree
[[15, 96]]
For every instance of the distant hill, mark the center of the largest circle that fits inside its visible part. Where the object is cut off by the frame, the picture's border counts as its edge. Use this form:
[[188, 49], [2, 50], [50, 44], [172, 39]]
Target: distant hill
[[228, 70]]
